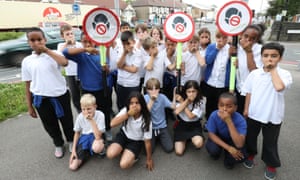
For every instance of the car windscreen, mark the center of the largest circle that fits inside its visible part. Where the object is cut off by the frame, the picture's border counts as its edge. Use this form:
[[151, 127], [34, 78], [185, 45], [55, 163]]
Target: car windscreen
[[52, 33]]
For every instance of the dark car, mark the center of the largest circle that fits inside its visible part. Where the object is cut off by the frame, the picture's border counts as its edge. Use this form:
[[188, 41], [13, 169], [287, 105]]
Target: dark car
[[12, 52]]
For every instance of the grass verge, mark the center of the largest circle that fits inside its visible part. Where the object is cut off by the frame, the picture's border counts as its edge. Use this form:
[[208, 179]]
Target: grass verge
[[12, 100]]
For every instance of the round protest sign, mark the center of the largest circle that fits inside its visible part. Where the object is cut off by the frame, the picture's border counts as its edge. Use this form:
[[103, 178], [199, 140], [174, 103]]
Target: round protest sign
[[101, 26], [179, 27], [233, 17]]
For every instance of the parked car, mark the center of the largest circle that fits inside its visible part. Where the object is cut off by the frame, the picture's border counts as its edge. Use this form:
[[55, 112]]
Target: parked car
[[12, 52]]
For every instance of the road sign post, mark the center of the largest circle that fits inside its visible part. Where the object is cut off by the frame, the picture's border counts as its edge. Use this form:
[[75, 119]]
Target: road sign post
[[101, 26], [76, 11], [232, 19], [179, 27]]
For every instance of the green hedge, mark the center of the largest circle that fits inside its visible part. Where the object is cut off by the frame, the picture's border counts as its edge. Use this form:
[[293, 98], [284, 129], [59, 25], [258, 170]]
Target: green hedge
[[12, 100], [10, 35]]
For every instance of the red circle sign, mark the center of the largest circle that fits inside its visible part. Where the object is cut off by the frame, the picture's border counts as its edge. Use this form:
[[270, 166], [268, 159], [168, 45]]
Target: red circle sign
[[101, 26], [233, 18], [101, 29], [179, 27]]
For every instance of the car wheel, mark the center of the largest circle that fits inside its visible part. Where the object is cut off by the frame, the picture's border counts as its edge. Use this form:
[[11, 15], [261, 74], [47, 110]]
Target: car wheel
[[18, 58]]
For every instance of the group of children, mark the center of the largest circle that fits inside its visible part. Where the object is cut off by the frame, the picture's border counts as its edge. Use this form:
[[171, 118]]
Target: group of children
[[148, 65]]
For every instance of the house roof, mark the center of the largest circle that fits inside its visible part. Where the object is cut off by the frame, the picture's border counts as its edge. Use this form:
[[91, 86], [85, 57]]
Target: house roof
[[162, 3], [102, 3], [111, 5]]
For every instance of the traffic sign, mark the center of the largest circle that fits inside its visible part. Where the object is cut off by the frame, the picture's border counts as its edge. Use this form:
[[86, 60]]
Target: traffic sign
[[76, 9], [101, 26], [179, 27], [234, 17]]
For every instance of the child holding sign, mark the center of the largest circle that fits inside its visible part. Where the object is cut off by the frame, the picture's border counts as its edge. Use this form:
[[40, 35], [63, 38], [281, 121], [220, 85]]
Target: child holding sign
[[90, 75]]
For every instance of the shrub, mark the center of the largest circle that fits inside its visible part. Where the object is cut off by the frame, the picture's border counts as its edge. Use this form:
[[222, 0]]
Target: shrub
[[10, 35], [12, 100]]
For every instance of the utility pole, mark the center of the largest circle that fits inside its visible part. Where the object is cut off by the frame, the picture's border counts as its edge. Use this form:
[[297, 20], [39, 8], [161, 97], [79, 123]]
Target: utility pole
[[174, 5], [117, 7]]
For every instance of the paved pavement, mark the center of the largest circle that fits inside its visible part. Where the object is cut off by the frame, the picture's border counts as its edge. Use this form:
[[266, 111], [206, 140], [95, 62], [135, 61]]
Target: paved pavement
[[26, 152]]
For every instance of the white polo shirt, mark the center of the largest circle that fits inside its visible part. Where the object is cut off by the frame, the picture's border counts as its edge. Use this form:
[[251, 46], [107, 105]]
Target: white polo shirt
[[134, 129], [44, 74], [218, 74], [114, 54], [198, 111], [172, 60], [192, 68], [128, 79], [84, 126], [71, 68], [159, 65], [266, 104], [242, 70]]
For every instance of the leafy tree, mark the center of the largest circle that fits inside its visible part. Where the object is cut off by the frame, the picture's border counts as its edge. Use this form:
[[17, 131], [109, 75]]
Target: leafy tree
[[128, 1], [276, 7]]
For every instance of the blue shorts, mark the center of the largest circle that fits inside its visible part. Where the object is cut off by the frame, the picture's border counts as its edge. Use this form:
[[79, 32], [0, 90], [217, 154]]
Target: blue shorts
[[84, 146]]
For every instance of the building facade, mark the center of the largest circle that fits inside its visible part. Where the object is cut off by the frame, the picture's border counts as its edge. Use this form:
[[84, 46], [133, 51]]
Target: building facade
[[49, 13]]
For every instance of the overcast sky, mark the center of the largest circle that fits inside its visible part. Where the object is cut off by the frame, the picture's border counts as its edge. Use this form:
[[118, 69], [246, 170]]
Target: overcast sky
[[258, 5]]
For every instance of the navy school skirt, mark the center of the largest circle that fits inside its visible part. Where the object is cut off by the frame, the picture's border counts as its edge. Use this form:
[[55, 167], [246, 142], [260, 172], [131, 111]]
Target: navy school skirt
[[186, 130]]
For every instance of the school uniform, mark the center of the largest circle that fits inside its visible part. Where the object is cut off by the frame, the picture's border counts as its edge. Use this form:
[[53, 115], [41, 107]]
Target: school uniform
[[114, 54], [216, 75], [203, 68], [169, 77], [266, 112], [159, 122], [71, 76], [192, 68], [242, 71], [218, 127], [50, 95], [127, 81], [142, 56], [90, 75], [161, 47], [186, 127], [159, 65], [131, 135], [86, 139]]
